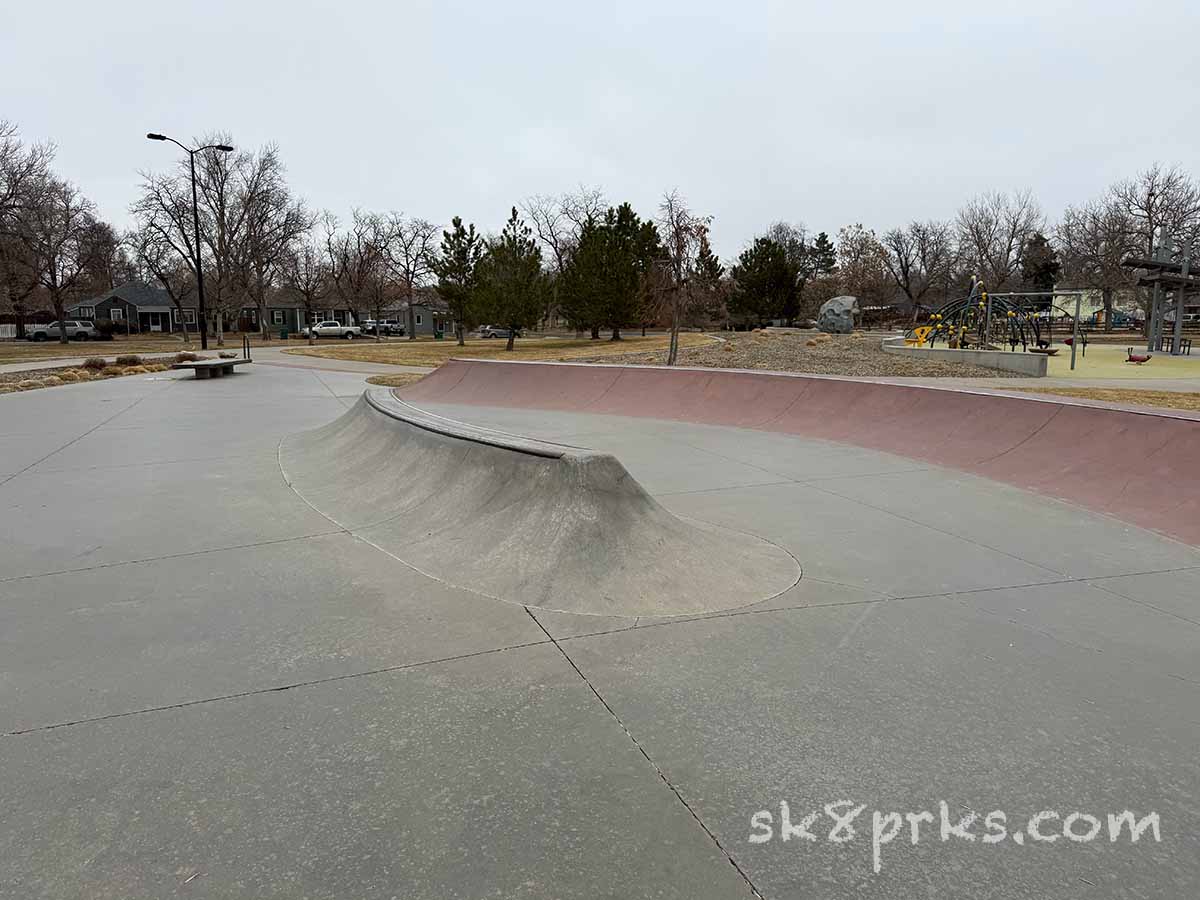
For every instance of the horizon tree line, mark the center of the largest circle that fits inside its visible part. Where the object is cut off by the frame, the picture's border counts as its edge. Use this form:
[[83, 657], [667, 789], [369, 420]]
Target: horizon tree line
[[573, 258]]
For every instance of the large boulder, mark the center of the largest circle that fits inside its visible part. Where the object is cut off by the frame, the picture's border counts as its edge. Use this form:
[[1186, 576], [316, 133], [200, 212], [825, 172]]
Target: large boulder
[[837, 315]]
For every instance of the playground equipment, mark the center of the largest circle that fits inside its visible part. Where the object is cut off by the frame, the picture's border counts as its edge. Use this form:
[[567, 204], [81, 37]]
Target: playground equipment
[[1169, 270], [989, 321]]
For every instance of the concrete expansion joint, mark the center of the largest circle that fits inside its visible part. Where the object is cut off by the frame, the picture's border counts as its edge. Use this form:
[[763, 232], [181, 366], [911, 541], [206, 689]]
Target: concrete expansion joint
[[655, 766]]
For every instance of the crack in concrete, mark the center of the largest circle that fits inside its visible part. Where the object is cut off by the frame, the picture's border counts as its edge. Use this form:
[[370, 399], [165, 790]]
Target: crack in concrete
[[399, 667]]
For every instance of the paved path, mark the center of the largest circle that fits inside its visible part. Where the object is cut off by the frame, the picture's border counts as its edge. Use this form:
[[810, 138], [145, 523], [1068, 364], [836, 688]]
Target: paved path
[[1187, 385], [209, 688], [273, 356]]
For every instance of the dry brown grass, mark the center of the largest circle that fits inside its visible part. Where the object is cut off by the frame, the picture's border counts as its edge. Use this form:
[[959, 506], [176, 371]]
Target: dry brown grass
[[26, 351], [394, 381], [434, 353], [14, 382], [1129, 396]]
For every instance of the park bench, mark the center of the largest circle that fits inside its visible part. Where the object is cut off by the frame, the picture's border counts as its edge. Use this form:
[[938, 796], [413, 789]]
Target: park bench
[[1167, 341], [211, 368]]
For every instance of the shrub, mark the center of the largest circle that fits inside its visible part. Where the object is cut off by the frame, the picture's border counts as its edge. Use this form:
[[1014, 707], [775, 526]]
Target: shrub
[[95, 363], [108, 329], [111, 372], [128, 359], [28, 384], [186, 356], [136, 370], [227, 354], [52, 381]]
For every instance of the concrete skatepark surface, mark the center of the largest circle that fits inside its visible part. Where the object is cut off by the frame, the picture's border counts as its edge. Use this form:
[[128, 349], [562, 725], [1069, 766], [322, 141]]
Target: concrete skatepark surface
[[1071, 450], [535, 523], [207, 688]]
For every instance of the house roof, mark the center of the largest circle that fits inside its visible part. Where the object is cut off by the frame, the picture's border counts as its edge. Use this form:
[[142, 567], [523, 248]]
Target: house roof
[[146, 297]]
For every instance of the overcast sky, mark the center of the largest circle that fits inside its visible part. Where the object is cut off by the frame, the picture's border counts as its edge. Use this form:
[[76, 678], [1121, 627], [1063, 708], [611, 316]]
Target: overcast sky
[[825, 113]]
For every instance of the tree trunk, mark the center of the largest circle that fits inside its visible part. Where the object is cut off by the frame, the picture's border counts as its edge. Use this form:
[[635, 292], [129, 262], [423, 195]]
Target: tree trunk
[[62, 326], [673, 353], [511, 336], [616, 335], [595, 332], [1107, 295], [461, 334], [220, 330], [412, 319]]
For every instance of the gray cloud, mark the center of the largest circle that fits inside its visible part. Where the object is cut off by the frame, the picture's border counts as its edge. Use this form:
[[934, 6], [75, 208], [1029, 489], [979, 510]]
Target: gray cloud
[[829, 114]]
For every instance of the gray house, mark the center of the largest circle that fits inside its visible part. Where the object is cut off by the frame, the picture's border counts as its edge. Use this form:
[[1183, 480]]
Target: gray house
[[144, 306]]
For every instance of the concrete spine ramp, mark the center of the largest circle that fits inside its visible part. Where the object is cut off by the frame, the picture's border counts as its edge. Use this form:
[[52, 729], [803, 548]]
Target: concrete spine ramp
[[543, 525], [1139, 466]]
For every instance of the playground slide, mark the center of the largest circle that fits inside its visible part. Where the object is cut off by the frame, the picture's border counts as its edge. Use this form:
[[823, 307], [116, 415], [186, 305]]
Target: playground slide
[[1138, 466]]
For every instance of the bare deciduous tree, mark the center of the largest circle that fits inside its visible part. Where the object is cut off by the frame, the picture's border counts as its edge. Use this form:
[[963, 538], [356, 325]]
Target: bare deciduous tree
[[920, 257], [410, 248], [557, 222], [355, 257], [993, 230], [274, 221], [684, 233], [306, 277], [862, 265], [1093, 241], [55, 228], [1159, 198], [23, 172]]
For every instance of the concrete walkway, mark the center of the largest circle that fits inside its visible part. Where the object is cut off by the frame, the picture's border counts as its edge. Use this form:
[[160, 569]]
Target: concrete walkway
[[271, 356]]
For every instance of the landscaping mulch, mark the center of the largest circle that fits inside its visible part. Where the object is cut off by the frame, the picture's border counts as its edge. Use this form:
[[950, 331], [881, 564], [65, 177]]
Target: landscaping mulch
[[853, 354]]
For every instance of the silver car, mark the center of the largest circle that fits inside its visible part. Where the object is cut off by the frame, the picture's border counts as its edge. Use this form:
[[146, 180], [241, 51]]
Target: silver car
[[76, 331]]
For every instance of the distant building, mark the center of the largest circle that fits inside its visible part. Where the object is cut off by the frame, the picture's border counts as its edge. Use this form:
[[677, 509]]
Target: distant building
[[143, 307]]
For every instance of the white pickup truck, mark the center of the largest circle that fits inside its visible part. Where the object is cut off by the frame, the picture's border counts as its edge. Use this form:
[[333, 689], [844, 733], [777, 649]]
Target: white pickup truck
[[331, 328], [76, 331]]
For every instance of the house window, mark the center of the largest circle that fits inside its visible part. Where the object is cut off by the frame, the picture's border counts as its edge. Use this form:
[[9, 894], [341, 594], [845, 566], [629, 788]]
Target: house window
[[87, 312], [418, 318], [116, 314], [189, 316], [277, 316]]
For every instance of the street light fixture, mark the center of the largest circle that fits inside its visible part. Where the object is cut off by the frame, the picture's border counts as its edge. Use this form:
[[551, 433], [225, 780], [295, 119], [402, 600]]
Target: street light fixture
[[224, 148]]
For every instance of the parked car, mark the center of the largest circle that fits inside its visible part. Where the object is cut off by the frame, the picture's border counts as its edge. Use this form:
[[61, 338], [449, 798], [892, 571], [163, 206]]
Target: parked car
[[1120, 319], [496, 331], [76, 331], [332, 328], [387, 326]]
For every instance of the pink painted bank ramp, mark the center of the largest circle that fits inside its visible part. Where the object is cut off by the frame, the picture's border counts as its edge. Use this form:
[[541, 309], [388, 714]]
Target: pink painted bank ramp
[[1140, 466]]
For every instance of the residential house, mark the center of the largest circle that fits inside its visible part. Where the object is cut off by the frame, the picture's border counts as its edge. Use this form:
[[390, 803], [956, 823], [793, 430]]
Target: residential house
[[142, 307]]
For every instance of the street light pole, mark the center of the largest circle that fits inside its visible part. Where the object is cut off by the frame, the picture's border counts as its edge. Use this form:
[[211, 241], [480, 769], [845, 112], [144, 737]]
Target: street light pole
[[224, 148]]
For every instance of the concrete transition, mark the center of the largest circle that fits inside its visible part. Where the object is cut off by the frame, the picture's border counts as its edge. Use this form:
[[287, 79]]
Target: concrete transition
[[539, 524], [1135, 465], [837, 315]]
